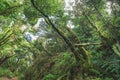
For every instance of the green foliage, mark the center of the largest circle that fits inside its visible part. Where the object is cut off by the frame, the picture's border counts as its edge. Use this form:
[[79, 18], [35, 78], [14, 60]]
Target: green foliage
[[31, 14], [4, 5], [112, 66], [52, 56], [49, 77], [116, 50], [5, 72], [50, 7]]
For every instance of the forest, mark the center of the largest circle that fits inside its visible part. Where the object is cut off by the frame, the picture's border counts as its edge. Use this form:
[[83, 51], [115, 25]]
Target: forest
[[59, 39]]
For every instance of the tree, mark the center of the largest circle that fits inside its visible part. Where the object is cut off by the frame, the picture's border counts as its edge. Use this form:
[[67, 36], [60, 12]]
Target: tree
[[36, 40]]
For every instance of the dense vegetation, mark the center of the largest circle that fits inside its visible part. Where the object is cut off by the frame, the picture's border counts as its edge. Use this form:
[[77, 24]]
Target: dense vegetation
[[44, 40]]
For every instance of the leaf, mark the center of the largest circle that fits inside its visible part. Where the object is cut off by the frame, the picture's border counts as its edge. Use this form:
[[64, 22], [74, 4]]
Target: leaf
[[115, 49]]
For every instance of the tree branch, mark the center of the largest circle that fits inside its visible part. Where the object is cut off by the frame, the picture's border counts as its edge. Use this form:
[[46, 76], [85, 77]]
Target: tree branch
[[2, 60], [6, 11], [68, 42], [86, 44]]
